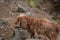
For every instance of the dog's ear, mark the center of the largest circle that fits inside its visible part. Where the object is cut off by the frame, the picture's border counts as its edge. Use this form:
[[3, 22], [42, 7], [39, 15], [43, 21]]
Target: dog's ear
[[19, 18], [17, 21]]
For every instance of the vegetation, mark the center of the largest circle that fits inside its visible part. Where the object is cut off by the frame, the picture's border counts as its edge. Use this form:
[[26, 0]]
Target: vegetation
[[34, 3], [31, 3]]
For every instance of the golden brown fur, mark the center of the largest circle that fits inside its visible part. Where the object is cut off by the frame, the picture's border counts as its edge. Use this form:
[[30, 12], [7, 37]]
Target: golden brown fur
[[37, 27]]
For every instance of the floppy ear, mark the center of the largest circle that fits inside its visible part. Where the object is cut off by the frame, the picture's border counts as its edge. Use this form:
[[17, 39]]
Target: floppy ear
[[19, 18], [17, 21]]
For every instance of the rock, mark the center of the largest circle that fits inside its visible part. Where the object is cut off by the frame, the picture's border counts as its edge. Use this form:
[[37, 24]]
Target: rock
[[21, 10], [5, 31], [20, 34], [4, 22], [2, 1]]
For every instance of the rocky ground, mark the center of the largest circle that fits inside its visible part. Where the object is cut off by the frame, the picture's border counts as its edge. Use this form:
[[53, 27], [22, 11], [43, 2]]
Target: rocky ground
[[8, 16]]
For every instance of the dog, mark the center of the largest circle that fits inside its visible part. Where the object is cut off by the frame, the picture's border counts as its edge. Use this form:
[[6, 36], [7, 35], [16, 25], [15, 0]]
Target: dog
[[37, 27]]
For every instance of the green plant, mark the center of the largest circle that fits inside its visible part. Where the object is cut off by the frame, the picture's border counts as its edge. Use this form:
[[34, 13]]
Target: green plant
[[31, 3], [34, 3]]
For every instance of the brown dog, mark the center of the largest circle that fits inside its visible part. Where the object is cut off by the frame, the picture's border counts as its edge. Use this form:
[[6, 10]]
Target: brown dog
[[37, 27]]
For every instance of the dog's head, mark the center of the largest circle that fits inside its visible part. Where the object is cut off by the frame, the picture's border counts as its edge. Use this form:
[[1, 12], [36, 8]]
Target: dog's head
[[21, 21]]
